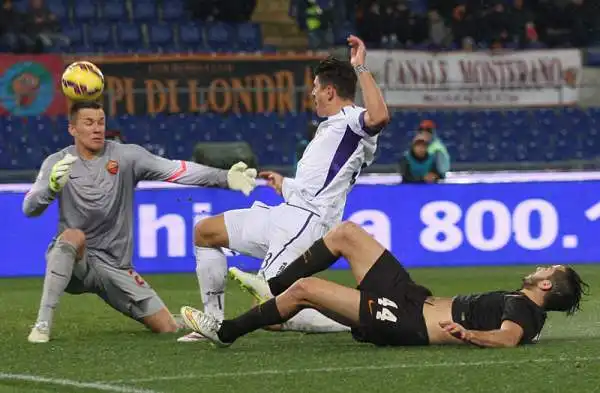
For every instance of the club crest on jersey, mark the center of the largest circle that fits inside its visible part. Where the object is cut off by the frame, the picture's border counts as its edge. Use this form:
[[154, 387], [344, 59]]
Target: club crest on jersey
[[112, 167]]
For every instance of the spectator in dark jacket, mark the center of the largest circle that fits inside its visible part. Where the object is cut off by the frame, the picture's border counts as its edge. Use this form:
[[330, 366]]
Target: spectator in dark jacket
[[8, 36], [417, 165], [11, 36], [43, 25]]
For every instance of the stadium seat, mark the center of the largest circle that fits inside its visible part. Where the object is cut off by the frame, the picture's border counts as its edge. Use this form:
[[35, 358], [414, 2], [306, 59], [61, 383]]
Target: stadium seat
[[74, 34], [100, 34], [84, 11], [129, 35], [21, 6], [190, 34], [144, 12], [114, 11], [219, 37], [160, 35], [172, 11], [249, 36], [58, 8]]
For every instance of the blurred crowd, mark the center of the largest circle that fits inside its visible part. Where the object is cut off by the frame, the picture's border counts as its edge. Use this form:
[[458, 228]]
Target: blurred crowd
[[37, 29], [229, 11], [453, 24], [29, 32]]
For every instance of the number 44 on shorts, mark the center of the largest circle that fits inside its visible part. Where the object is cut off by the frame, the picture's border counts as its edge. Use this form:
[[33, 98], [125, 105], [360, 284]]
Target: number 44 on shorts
[[385, 314]]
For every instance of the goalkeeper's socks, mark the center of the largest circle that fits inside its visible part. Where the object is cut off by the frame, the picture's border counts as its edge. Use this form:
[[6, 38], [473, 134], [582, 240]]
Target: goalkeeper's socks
[[59, 269], [263, 315], [314, 260]]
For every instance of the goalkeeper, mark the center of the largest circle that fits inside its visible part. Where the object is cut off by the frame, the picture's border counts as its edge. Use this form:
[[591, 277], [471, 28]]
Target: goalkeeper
[[94, 182]]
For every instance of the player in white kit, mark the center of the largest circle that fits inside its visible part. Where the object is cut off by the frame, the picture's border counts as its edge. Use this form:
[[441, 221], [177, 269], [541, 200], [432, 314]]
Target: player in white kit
[[344, 144]]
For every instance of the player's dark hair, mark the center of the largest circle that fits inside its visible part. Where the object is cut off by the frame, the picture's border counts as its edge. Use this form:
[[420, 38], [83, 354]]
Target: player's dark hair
[[79, 105], [567, 290], [339, 74]]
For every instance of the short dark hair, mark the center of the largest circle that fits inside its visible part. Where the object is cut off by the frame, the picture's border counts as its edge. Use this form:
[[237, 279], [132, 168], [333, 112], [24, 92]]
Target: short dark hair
[[567, 290], [79, 105], [340, 74]]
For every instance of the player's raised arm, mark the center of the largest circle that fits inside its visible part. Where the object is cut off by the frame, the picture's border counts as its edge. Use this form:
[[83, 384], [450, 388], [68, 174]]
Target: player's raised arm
[[148, 166], [376, 116], [50, 180]]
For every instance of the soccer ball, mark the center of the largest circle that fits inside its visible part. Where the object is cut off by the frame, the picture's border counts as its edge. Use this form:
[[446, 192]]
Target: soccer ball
[[82, 81]]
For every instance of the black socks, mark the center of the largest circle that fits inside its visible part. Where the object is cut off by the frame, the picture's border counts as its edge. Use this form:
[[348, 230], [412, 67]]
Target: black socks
[[314, 260], [260, 316]]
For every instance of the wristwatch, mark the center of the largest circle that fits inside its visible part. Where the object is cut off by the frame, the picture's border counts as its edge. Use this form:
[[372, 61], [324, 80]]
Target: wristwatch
[[360, 69]]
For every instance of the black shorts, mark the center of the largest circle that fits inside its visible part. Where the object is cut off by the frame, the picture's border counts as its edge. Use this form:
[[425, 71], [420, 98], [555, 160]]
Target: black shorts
[[391, 306]]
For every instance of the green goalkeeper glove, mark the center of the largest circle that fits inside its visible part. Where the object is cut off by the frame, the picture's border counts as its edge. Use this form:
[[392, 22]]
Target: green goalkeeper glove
[[60, 173], [241, 178]]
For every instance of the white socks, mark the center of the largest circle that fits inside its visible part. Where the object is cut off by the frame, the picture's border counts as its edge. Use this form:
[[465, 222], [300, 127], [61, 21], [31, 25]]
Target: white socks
[[312, 321], [211, 270]]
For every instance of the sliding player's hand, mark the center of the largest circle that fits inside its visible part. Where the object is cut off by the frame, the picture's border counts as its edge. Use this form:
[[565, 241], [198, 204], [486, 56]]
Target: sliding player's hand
[[455, 329], [358, 51], [274, 180], [59, 174], [241, 178]]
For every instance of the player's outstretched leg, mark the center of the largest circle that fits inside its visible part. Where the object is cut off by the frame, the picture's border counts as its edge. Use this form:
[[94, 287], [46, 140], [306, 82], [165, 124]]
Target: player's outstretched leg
[[306, 321], [59, 268], [335, 300], [210, 235], [347, 239]]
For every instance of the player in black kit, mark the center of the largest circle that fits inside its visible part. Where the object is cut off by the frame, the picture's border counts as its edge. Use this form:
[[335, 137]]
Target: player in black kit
[[388, 307]]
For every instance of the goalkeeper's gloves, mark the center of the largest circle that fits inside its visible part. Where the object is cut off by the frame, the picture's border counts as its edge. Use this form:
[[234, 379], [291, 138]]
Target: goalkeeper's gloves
[[241, 178], [59, 174]]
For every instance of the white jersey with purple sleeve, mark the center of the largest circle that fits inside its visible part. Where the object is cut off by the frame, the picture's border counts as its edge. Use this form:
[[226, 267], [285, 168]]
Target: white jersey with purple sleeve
[[341, 148]]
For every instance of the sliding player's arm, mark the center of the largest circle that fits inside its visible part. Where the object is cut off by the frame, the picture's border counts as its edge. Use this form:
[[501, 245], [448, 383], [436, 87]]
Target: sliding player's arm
[[148, 166], [376, 116], [518, 324], [509, 334], [40, 196]]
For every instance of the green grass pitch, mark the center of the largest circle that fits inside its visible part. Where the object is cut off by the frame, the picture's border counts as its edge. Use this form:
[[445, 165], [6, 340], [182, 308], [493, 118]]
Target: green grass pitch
[[96, 349]]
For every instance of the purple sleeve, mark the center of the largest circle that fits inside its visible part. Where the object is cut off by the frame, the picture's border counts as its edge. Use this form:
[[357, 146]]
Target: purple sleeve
[[363, 126]]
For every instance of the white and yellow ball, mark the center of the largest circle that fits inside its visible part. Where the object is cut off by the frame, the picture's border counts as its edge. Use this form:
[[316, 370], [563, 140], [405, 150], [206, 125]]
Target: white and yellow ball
[[82, 81]]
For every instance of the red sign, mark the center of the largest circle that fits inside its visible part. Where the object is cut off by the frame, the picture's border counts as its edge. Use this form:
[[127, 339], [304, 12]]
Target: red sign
[[30, 85]]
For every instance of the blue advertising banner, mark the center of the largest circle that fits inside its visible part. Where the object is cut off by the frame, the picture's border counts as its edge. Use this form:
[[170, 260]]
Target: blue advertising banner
[[429, 225]]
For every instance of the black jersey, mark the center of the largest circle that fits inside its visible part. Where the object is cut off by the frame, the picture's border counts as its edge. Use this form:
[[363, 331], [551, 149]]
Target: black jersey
[[487, 311]]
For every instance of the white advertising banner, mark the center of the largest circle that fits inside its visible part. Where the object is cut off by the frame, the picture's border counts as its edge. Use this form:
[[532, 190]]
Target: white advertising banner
[[477, 79]]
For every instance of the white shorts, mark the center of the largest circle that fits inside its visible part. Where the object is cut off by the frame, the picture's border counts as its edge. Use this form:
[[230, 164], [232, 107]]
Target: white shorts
[[276, 234]]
